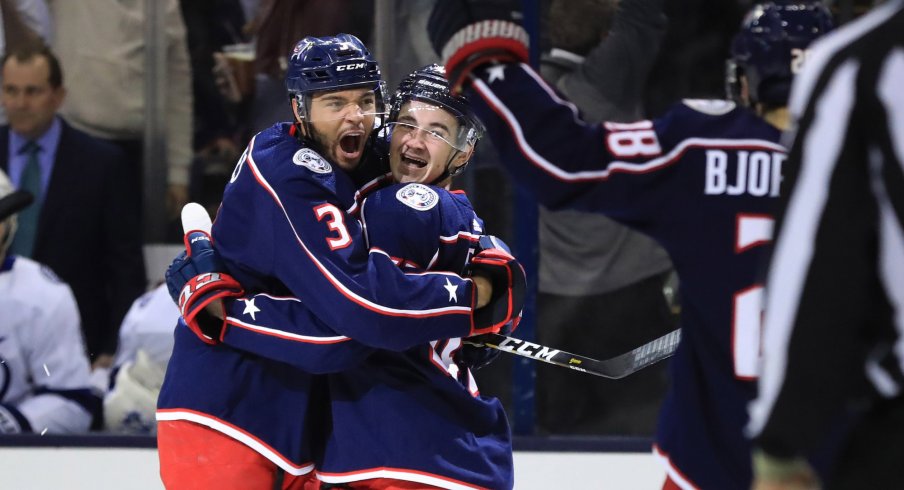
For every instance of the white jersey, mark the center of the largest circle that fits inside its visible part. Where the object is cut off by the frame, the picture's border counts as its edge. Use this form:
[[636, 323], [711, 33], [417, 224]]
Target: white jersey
[[148, 326], [44, 371], [145, 346]]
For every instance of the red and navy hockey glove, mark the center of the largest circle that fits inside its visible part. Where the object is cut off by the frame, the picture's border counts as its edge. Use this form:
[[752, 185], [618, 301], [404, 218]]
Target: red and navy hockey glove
[[197, 278], [469, 33], [509, 286], [475, 357]]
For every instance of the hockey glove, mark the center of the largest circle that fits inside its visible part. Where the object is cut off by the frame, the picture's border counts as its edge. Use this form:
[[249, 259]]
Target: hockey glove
[[197, 278], [475, 357], [509, 286], [470, 33]]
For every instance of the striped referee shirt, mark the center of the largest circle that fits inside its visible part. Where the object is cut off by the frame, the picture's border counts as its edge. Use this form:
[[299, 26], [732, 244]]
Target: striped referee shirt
[[834, 323]]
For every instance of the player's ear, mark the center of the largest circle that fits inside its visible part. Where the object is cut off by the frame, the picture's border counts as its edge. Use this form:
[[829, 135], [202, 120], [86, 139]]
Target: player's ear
[[463, 157]]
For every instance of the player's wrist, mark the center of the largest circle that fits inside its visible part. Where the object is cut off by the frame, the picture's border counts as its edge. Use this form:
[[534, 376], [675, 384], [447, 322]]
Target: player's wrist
[[483, 290]]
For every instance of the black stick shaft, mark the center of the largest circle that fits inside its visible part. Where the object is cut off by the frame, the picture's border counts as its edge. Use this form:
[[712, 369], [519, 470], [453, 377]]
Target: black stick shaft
[[614, 368]]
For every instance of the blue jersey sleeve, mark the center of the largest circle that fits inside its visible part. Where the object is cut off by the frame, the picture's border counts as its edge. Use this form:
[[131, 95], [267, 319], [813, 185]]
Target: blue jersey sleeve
[[415, 237], [284, 223], [282, 328], [628, 171]]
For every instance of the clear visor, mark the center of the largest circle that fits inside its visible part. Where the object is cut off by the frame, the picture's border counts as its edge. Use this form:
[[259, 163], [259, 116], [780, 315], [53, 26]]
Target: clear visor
[[343, 104], [433, 124]]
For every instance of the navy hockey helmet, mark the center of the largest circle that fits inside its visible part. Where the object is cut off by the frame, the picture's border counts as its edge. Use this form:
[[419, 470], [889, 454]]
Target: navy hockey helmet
[[429, 84], [771, 47], [331, 63]]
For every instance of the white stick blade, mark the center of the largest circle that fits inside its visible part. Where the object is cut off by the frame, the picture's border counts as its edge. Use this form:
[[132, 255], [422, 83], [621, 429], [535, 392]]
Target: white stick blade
[[195, 217]]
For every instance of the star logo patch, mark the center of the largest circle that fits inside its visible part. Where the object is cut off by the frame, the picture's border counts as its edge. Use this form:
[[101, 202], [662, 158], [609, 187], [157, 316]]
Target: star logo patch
[[496, 72], [250, 308], [453, 290]]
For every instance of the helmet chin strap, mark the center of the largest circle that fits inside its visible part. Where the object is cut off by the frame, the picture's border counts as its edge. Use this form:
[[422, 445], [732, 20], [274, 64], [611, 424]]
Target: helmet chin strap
[[448, 174]]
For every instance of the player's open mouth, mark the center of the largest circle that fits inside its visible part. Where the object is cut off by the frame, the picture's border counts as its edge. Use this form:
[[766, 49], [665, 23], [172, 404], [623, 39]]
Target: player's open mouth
[[414, 161], [350, 144]]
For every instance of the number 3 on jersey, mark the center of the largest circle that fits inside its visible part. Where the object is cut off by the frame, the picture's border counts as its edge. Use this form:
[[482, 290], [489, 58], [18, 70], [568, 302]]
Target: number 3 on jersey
[[335, 221], [752, 230]]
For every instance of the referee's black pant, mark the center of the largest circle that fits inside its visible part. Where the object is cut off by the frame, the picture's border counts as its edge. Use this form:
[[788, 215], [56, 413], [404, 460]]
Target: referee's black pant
[[873, 455]]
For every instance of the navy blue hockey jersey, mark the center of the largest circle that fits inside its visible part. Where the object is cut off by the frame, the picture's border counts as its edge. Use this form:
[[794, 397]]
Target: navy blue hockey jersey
[[284, 227], [418, 415], [415, 415], [701, 180]]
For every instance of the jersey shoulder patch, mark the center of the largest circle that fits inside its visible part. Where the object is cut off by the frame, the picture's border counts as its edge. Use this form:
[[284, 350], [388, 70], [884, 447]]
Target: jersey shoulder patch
[[309, 158], [418, 196], [713, 107]]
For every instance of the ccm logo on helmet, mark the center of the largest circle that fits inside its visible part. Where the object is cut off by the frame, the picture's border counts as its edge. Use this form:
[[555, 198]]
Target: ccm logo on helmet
[[353, 66]]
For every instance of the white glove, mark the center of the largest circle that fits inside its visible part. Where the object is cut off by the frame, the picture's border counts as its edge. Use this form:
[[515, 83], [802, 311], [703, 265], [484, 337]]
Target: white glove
[[131, 405]]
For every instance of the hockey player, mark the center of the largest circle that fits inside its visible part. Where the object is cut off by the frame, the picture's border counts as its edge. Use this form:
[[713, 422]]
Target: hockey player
[[701, 180], [45, 383], [284, 228], [419, 410], [145, 346]]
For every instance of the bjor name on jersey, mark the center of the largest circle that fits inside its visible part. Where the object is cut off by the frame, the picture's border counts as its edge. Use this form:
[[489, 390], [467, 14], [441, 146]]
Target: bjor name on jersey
[[734, 173]]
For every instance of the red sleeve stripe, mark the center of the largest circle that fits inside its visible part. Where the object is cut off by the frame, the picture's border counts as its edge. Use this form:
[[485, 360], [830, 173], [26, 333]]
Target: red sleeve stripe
[[615, 166], [345, 291], [458, 236]]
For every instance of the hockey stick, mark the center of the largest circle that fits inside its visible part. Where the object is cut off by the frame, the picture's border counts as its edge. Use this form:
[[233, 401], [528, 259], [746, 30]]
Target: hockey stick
[[615, 368]]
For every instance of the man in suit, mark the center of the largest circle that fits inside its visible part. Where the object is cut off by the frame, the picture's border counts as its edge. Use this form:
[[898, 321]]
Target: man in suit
[[85, 223]]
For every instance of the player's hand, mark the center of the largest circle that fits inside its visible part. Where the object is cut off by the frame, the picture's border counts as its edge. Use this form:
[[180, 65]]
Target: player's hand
[[198, 278], [477, 356], [470, 33], [509, 283]]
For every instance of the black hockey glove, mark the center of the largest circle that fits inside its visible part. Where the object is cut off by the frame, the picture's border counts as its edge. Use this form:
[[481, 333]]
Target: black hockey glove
[[470, 33], [197, 278], [509, 286]]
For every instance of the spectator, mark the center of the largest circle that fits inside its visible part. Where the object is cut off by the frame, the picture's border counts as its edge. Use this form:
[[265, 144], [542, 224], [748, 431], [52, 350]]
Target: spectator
[[834, 325], [85, 221], [102, 44], [600, 283], [45, 378], [26, 25], [212, 26]]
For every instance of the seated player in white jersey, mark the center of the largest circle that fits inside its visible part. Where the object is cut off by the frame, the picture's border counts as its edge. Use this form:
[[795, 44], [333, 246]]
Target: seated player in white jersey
[[145, 346], [45, 382], [420, 410]]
